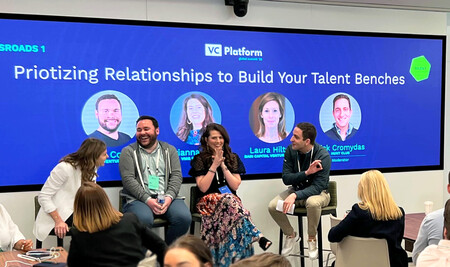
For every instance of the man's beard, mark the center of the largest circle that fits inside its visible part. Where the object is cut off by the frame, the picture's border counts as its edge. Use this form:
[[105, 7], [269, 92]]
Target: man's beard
[[111, 130], [152, 141]]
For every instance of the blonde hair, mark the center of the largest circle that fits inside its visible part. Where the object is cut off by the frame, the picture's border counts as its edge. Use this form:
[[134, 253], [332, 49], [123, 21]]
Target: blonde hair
[[93, 211], [375, 196], [266, 259]]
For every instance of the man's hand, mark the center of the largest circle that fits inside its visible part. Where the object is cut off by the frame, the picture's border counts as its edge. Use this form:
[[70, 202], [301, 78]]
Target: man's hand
[[314, 167], [288, 202], [159, 209], [154, 206], [165, 206]]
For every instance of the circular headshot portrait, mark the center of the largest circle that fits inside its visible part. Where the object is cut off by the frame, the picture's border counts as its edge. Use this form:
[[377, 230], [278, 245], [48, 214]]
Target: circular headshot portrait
[[271, 117], [340, 116], [110, 116], [190, 114]]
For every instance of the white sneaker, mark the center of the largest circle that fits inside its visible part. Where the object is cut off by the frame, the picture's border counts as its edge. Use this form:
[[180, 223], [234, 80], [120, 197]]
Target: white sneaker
[[313, 252], [289, 243]]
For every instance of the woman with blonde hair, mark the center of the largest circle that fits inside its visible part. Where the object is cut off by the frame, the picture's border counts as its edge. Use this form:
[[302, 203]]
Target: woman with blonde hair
[[271, 116], [377, 215], [105, 237]]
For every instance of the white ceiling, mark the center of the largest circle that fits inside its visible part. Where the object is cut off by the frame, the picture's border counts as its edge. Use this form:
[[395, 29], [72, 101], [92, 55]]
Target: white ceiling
[[426, 5]]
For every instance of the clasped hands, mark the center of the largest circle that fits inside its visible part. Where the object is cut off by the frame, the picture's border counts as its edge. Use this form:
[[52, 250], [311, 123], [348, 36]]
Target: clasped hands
[[159, 209], [218, 159]]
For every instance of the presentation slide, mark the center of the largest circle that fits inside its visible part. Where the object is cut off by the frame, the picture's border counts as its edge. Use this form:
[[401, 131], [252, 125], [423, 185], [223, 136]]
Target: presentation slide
[[375, 99]]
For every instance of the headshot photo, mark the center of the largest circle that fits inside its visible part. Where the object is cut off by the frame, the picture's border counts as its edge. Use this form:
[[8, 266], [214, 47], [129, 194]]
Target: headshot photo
[[103, 117], [271, 117], [190, 115], [340, 117]]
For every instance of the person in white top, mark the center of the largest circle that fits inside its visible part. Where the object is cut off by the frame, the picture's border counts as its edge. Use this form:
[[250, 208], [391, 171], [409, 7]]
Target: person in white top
[[58, 193], [438, 255], [10, 235], [431, 230]]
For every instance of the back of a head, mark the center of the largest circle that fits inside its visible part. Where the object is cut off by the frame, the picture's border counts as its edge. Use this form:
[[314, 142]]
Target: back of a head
[[447, 219], [266, 259], [93, 211], [375, 196], [194, 245]]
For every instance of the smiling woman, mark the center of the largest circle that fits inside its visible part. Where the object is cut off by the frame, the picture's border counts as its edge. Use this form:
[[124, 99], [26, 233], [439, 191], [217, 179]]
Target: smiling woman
[[58, 193], [195, 115], [217, 172]]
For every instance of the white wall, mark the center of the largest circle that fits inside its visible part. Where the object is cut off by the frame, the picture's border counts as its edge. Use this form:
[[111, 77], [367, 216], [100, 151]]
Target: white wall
[[410, 189]]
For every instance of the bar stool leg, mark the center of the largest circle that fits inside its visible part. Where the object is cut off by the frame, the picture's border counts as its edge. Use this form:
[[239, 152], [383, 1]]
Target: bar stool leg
[[280, 245], [319, 236], [302, 247], [60, 242]]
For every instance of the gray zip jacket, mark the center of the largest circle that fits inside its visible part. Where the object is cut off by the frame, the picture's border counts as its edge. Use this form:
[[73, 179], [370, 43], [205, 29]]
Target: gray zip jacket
[[135, 184]]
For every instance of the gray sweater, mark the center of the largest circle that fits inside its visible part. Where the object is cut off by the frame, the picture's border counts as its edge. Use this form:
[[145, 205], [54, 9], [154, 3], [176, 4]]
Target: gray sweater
[[135, 185]]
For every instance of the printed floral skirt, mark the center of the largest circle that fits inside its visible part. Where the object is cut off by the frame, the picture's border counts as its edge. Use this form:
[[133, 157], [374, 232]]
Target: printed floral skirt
[[226, 228]]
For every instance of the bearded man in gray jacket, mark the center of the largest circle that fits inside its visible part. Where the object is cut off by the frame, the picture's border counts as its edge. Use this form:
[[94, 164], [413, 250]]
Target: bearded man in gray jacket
[[151, 177]]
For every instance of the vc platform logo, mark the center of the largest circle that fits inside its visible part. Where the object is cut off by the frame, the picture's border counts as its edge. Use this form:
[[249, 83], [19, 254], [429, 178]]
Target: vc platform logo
[[213, 50]]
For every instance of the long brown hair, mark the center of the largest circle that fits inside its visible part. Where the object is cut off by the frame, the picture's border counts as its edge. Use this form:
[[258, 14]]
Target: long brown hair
[[92, 210], [85, 157], [207, 153], [185, 126]]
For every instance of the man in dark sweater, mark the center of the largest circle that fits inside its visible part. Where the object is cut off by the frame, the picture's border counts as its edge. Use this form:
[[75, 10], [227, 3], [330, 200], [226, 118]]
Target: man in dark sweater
[[306, 170]]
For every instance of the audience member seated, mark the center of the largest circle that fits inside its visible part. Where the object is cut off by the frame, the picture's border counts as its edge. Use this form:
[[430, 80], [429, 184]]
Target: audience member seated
[[376, 216], [105, 237], [266, 259], [188, 250], [226, 225], [57, 194], [431, 230], [438, 255], [10, 235]]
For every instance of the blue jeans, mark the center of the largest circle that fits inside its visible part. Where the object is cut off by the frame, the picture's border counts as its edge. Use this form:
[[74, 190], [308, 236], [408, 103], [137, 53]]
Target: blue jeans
[[177, 214]]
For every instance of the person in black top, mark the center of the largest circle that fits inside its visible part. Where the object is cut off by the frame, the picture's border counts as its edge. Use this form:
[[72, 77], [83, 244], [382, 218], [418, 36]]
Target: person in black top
[[105, 237], [226, 226], [376, 216]]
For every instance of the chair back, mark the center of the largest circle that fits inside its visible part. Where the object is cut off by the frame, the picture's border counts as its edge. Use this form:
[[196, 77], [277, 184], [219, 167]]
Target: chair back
[[120, 200], [333, 222], [37, 206], [358, 251], [195, 193], [332, 189]]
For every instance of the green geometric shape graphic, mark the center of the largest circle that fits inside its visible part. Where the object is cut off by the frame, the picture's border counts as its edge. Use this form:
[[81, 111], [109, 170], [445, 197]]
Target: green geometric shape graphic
[[420, 68]]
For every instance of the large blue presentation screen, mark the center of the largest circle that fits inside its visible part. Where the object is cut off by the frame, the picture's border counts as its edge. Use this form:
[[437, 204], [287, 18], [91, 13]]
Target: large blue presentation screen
[[375, 99]]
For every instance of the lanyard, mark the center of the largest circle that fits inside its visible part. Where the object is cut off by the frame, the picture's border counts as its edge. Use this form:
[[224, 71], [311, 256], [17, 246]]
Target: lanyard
[[158, 154], [310, 160]]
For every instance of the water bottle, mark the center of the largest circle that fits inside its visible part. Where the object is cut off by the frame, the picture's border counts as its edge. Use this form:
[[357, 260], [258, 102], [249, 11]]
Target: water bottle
[[161, 198]]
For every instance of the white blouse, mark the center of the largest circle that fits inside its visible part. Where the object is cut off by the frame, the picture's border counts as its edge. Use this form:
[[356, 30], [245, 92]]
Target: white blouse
[[9, 232]]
